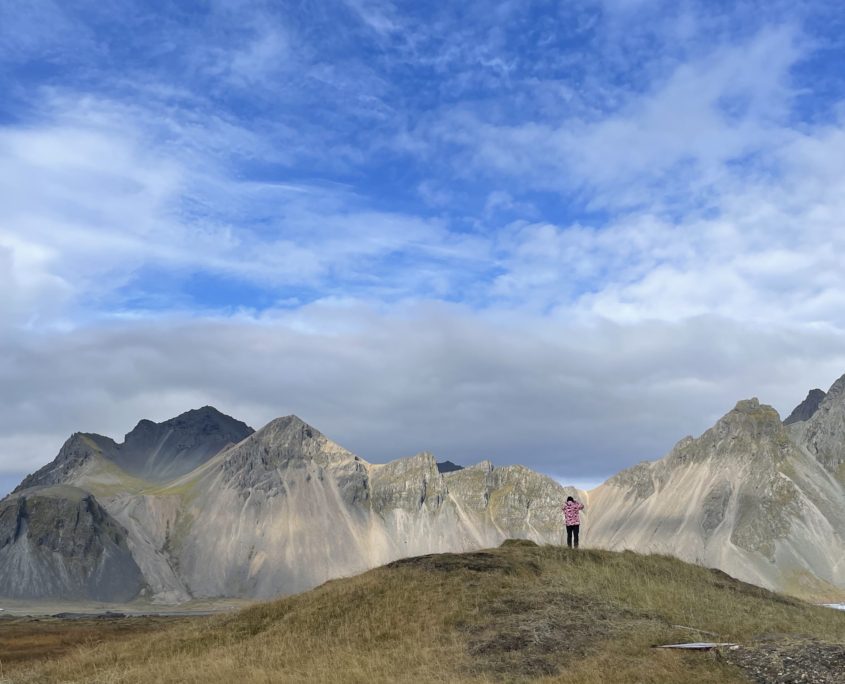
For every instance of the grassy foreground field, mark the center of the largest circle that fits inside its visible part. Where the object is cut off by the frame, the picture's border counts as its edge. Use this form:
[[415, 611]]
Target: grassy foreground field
[[516, 613]]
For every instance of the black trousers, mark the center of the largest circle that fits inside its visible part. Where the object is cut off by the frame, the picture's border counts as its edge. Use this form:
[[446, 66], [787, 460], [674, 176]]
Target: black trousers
[[572, 531]]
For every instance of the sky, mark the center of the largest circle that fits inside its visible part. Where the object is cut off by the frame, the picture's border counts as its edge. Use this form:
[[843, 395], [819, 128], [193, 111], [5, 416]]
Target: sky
[[558, 234]]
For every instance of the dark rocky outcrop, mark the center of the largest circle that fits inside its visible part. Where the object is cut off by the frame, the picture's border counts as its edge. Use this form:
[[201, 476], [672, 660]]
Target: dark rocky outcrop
[[806, 409], [60, 543], [161, 451], [714, 506], [154, 452], [823, 434]]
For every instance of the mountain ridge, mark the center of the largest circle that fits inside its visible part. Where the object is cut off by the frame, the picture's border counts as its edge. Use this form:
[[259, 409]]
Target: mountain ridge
[[821, 435], [283, 508], [806, 409], [746, 496]]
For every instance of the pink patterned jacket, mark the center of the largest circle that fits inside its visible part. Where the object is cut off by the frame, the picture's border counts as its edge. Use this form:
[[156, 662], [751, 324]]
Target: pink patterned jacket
[[570, 512]]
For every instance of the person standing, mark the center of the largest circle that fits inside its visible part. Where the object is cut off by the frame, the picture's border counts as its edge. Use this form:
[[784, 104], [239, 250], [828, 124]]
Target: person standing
[[571, 517]]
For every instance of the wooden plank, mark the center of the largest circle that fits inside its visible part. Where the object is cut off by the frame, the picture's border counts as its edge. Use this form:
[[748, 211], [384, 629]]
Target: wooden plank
[[698, 645]]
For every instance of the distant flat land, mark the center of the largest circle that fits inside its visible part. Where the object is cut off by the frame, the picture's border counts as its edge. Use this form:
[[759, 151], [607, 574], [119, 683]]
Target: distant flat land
[[28, 639], [31, 632], [17, 608]]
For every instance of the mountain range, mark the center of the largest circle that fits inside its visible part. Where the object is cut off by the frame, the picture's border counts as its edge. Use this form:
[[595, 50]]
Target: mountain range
[[203, 506]]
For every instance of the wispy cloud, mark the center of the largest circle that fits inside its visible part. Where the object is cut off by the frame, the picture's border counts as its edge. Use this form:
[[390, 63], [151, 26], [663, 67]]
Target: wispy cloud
[[378, 15], [768, 255], [694, 130], [42, 30], [94, 196]]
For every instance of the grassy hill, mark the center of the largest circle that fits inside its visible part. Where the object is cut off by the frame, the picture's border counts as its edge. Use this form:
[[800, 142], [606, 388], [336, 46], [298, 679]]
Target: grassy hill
[[516, 613]]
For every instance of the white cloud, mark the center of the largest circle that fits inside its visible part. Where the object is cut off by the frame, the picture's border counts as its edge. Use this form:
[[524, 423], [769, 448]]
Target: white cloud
[[571, 398], [771, 255], [99, 191]]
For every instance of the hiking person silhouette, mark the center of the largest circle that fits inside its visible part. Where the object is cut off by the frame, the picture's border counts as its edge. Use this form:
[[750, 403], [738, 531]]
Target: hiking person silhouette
[[572, 519]]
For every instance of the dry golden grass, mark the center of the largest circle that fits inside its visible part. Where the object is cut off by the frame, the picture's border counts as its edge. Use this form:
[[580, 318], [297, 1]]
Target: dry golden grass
[[24, 639], [516, 613]]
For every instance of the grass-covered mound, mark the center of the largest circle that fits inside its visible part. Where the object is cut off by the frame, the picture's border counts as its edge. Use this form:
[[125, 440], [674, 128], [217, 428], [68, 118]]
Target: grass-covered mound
[[519, 612]]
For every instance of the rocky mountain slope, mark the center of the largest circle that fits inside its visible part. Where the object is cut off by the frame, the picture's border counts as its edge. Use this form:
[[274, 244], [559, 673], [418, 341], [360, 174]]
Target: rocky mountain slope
[[202, 506], [756, 498], [58, 541], [278, 511], [822, 435]]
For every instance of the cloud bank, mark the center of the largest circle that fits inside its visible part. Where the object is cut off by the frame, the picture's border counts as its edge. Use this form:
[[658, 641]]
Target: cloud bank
[[559, 237]]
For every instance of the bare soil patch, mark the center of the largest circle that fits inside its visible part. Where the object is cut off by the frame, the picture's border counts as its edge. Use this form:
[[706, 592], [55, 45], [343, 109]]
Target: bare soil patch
[[535, 634]]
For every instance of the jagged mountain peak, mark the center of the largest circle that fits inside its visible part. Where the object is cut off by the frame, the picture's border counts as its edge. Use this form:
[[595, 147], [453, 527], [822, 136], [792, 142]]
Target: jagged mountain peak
[[292, 436], [822, 433], [837, 389], [76, 453], [208, 409], [806, 409], [291, 424], [156, 452], [486, 466], [408, 466], [745, 486], [88, 441], [751, 407], [206, 419], [749, 429], [751, 417], [163, 451], [286, 442]]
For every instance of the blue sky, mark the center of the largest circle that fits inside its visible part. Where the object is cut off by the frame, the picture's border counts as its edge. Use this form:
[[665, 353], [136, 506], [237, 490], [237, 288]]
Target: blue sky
[[561, 234]]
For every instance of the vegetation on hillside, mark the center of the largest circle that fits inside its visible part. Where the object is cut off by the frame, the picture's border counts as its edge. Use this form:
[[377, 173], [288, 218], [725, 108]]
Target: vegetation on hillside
[[517, 613]]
